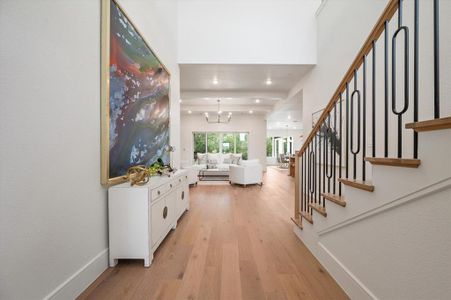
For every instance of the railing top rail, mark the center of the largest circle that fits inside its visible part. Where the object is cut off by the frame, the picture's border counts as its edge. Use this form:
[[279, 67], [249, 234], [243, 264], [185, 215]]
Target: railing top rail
[[387, 14]]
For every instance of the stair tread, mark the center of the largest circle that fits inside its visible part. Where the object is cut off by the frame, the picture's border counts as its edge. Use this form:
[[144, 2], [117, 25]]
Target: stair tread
[[297, 222], [430, 125], [359, 184], [307, 216], [340, 200], [319, 209], [394, 162]]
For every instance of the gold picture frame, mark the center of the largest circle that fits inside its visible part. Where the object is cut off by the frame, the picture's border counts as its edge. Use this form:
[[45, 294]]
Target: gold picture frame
[[105, 90]]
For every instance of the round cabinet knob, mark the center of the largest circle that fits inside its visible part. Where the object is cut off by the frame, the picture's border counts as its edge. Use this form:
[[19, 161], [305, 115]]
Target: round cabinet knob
[[180, 180], [165, 212], [170, 185], [158, 192], [183, 195]]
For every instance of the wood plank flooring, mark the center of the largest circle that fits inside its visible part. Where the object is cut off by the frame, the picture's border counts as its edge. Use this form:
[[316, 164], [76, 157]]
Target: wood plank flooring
[[234, 243]]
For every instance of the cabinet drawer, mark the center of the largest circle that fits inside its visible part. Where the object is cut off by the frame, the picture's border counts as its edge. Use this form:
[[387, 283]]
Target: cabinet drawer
[[161, 190]]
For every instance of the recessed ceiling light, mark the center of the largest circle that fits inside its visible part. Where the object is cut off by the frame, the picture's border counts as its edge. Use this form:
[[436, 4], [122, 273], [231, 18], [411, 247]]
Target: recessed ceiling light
[[180, 101], [190, 112], [289, 117], [230, 113], [206, 113], [268, 81], [251, 111], [215, 81], [257, 100]]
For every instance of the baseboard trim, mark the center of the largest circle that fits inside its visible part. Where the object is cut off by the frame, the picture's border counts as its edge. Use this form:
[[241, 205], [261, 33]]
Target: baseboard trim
[[81, 279], [421, 192], [351, 276]]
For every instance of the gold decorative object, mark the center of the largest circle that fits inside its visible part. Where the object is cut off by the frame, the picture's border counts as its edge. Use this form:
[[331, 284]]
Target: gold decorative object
[[138, 175]]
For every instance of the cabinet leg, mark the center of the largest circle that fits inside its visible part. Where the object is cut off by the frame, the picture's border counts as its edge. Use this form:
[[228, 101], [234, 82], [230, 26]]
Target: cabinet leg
[[148, 261], [113, 262]]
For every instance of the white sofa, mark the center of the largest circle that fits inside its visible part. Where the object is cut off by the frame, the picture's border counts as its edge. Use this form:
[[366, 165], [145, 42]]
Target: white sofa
[[248, 172], [223, 163]]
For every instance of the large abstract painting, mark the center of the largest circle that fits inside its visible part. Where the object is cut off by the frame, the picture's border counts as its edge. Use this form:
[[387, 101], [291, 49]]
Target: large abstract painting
[[135, 95]]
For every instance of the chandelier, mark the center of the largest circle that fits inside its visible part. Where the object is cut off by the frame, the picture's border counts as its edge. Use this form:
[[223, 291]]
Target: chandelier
[[220, 117]]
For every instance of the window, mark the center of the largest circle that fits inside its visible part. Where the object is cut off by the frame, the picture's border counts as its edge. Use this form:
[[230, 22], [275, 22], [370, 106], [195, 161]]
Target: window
[[269, 142], [241, 144], [212, 142], [199, 142], [216, 142], [228, 143]]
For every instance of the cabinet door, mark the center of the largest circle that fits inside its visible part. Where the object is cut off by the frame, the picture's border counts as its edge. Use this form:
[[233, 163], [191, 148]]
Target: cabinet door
[[171, 207], [181, 200], [159, 214]]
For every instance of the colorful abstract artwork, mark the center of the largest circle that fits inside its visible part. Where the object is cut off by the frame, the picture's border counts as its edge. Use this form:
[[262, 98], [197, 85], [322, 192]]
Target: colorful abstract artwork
[[138, 99]]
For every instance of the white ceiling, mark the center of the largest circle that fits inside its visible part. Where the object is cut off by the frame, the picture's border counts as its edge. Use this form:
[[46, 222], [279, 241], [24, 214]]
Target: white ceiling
[[240, 87]]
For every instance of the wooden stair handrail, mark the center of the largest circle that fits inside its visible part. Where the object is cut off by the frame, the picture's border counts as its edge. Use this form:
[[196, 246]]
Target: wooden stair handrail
[[388, 12]]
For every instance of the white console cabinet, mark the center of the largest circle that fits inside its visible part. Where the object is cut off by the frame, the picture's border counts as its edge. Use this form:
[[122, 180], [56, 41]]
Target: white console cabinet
[[140, 217]]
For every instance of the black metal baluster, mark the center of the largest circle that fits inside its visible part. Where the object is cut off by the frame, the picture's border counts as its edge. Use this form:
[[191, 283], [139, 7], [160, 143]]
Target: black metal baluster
[[347, 131], [436, 61], [341, 145], [386, 89], [329, 154], [305, 178], [334, 143], [314, 170], [415, 75], [373, 92], [319, 167], [324, 155], [364, 120], [406, 75], [356, 151]]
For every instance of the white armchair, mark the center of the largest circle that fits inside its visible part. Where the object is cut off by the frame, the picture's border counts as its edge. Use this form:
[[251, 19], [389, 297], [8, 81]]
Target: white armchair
[[249, 172], [193, 173]]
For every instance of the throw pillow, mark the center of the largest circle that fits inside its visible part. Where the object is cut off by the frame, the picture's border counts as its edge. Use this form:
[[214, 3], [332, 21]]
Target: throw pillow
[[235, 158], [212, 164], [201, 158], [227, 161]]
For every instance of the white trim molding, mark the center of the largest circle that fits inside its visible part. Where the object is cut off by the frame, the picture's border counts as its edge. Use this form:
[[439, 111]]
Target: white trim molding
[[81, 279]]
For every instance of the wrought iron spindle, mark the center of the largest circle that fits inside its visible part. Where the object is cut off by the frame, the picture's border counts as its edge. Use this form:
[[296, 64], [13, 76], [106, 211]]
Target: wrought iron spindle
[[329, 153], [373, 96], [347, 131], [415, 74], [436, 61], [321, 138], [399, 113], [364, 120], [386, 89], [302, 181], [357, 150], [315, 166], [334, 145], [341, 145]]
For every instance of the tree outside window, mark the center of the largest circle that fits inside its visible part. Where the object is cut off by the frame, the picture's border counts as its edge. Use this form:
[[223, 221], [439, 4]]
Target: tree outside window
[[228, 143], [212, 142], [269, 142], [241, 141]]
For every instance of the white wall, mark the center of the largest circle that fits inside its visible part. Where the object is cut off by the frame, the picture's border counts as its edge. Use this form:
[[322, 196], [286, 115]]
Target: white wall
[[339, 37], [248, 32], [255, 125], [53, 211]]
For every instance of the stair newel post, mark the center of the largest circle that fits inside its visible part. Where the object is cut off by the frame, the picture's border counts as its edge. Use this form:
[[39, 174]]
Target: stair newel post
[[364, 119], [301, 167]]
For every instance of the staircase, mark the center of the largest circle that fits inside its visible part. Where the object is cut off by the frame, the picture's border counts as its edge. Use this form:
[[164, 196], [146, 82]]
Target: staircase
[[373, 178]]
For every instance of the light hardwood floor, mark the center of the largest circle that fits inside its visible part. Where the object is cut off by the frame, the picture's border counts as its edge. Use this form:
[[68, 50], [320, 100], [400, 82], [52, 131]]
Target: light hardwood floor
[[234, 243]]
